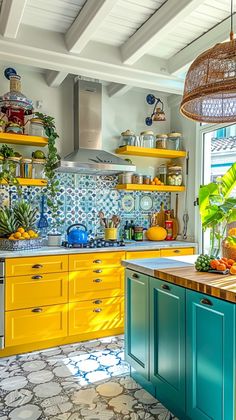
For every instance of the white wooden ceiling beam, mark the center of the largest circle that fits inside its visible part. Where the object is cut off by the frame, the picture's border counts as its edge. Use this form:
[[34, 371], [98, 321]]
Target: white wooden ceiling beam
[[43, 49], [87, 22], [157, 28], [117, 89], [55, 78], [182, 59], [11, 16]]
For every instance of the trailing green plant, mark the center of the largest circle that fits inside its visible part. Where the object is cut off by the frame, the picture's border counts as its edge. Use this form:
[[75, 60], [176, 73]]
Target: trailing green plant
[[217, 208], [53, 202]]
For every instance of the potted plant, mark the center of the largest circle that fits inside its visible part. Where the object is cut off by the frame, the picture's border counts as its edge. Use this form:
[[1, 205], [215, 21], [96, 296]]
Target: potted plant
[[53, 202], [217, 209]]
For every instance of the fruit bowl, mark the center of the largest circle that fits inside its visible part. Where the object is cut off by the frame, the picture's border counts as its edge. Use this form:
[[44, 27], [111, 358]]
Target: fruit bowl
[[16, 245]]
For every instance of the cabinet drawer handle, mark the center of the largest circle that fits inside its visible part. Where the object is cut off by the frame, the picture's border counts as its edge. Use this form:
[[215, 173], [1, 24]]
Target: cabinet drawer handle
[[37, 310], [165, 287], [97, 271], [37, 266], [97, 310], [135, 276], [97, 280], [97, 261], [97, 302], [177, 251], [206, 302], [36, 277]]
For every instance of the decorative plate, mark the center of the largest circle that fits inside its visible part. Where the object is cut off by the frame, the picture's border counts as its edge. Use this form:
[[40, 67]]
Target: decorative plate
[[146, 203], [127, 202]]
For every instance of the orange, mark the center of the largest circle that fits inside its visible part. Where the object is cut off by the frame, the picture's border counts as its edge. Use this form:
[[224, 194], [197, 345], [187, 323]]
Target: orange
[[25, 235], [233, 269], [17, 235], [21, 230]]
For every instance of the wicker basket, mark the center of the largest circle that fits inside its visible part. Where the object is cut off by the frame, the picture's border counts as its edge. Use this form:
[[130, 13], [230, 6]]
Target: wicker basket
[[228, 251], [27, 244]]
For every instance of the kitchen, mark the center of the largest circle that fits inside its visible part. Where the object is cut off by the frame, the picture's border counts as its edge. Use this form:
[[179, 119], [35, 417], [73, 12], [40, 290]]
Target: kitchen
[[62, 340]]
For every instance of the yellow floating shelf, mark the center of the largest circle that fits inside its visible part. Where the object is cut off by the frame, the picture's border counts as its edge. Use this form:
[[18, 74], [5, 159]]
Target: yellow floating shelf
[[23, 139], [155, 153], [144, 187], [30, 182]]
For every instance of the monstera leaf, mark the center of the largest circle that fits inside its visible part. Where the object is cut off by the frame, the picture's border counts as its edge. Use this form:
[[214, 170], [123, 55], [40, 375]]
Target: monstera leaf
[[213, 213]]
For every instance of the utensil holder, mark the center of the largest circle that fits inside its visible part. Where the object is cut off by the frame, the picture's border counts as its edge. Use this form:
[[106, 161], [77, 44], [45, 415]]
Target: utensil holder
[[110, 234]]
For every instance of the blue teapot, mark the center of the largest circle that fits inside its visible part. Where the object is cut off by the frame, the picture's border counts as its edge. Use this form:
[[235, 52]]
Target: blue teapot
[[76, 235]]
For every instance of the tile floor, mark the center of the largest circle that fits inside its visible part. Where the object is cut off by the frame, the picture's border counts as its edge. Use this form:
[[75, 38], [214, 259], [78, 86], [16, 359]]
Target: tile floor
[[87, 380]]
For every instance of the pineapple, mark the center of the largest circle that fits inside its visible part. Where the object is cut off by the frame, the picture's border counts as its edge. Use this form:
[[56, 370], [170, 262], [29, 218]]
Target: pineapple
[[25, 215], [8, 223]]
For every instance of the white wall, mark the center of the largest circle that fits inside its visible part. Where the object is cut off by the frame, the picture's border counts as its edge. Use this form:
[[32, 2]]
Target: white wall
[[189, 130], [118, 113]]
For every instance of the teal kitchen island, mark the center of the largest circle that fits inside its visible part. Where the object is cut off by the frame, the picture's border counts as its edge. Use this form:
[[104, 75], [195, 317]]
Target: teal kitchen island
[[180, 336]]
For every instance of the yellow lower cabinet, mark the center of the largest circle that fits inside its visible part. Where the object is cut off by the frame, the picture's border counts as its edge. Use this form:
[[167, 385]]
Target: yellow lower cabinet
[[37, 290], [96, 316], [134, 255], [35, 324], [175, 252], [36, 265], [95, 260], [85, 284]]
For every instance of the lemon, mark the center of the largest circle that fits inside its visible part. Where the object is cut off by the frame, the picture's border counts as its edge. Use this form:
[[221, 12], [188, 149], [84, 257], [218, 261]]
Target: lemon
[[11, 237], [21, 230], [36, 235], [31, 233], [26, 235], [17, 235]]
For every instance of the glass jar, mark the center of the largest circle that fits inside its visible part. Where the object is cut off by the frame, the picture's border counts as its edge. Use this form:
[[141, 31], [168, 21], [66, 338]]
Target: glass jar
[[162, 173], [36, 127], [161, 141], [147, 179], [147, 139], [125, 178], [127, 138], [138, 233], [1, 163], [13, 165], [39, 168], [137, 179], [175, 175], [173, 142], [26, 168]]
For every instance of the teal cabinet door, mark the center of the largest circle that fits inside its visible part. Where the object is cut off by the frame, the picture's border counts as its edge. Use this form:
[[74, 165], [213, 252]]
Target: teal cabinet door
[[137, 322], [210, 357], [167, 344]]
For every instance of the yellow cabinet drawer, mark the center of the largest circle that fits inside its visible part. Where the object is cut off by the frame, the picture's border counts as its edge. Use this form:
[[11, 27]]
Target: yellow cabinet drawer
[[35, 265], [93, 260], [134, 255], [89, 317], [87, 284], [174, 252], [36, 290], [35, 324]]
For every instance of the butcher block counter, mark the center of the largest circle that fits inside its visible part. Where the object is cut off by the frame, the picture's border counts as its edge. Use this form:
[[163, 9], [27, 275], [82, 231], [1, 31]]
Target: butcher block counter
[[181, 336]]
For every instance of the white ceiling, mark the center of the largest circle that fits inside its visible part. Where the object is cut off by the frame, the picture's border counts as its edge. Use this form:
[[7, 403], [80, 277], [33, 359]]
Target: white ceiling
[[131, 42]]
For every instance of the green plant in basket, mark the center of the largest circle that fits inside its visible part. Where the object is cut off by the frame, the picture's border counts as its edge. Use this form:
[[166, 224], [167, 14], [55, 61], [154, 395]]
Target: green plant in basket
[[217, 208]]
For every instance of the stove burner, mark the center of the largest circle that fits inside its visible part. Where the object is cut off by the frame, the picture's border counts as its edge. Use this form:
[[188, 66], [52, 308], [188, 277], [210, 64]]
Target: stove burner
[[95, 243]]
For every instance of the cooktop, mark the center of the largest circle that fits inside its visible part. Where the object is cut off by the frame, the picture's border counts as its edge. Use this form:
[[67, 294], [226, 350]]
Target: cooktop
[[94, 243]]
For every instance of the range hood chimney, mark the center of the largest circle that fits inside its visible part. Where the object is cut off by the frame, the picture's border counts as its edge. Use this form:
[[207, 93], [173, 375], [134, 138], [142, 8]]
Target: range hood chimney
[[88, 156]]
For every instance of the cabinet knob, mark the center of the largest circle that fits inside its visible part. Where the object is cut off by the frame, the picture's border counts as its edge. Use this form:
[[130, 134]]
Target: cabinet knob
[[206, 302], [165, 287], [97, 261], [36, 277], [97, 310], [37, 266], [97, 271], [97, 280], [177, 251], [135, 276], [37, 310], [97, 302]]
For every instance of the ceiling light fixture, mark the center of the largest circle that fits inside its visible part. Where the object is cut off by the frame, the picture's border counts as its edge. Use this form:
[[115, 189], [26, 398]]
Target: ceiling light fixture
[[158, 113], [210, 84]]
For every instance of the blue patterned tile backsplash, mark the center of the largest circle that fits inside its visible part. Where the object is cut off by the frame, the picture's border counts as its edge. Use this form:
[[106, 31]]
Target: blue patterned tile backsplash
[[83, 196]]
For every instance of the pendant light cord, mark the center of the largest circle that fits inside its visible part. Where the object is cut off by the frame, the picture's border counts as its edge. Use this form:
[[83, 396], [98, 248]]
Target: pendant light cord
[[231, 23]]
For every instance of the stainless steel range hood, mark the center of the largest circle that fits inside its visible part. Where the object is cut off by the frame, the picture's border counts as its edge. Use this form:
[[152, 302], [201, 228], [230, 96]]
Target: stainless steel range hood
[[88, 156]]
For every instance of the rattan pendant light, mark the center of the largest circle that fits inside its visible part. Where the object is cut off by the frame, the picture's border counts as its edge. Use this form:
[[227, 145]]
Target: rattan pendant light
[[210, 84]]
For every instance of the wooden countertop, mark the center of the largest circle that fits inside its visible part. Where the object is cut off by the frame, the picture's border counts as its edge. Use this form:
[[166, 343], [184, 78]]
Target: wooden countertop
[[218, 285]]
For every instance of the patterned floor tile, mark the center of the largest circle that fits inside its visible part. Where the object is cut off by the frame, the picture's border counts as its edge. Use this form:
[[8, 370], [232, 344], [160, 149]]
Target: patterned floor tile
[[88, 380]]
